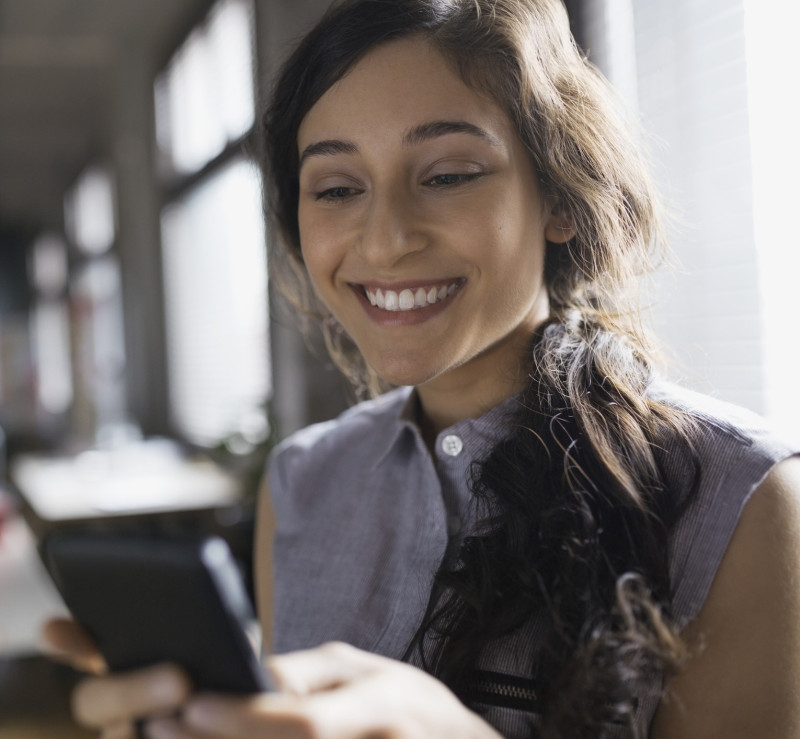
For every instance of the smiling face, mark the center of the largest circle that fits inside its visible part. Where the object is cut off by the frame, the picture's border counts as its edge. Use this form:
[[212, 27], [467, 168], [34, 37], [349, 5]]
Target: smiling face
[[422, 225]]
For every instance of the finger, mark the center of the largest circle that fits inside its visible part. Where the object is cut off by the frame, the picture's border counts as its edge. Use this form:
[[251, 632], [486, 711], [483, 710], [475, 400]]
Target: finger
[[170, 728], [105, 701], [65, 640], [321, 668], [119, 731], [272, 714], [333, 714]]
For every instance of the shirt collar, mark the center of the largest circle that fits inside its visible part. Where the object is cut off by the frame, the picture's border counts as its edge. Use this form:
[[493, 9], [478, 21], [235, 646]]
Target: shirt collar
[[478, 434]]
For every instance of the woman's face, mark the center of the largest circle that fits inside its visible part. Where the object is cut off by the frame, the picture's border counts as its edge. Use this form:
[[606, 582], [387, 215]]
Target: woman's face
[[421, 221]]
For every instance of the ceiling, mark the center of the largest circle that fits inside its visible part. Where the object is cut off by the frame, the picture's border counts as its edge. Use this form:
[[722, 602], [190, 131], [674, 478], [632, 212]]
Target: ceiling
[[59, 71]]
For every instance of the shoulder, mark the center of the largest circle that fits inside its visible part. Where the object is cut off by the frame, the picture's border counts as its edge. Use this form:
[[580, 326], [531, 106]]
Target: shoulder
[[733, 453], [743, 675], [719, 425], [783, 482], [764, 551], [730, 449], [362, 432], [378, 414], [733, 557]]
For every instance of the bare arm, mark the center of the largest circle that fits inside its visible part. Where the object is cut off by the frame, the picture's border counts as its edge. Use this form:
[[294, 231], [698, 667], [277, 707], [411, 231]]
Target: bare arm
[[262, 563], [744, 678]]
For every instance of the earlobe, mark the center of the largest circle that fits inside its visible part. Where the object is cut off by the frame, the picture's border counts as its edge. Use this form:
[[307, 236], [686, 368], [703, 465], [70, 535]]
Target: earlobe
[[559, 228]]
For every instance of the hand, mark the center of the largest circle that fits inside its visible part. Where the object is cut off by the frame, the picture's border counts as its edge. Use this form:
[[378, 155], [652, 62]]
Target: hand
[[332, 692], [113, 703]]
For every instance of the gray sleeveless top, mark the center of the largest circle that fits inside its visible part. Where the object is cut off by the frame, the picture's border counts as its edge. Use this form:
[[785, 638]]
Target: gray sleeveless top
[[365, 515]]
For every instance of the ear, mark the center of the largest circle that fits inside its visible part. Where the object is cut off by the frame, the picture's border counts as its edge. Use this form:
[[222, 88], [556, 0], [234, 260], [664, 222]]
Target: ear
[[558, 228]]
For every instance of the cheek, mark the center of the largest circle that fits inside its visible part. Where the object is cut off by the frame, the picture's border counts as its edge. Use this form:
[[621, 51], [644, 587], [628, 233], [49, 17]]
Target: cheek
[[318, 251], [317, 272], [505, 242]]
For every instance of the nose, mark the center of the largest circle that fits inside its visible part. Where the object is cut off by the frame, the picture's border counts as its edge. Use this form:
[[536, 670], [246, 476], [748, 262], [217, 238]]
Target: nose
[[391, 230]]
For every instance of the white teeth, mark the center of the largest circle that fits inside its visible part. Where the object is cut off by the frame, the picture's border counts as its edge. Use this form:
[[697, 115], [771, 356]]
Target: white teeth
[[409, 299], [406, 300]]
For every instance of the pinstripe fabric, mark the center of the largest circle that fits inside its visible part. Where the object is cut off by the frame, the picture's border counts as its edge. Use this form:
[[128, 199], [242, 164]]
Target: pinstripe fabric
[[365, 512]]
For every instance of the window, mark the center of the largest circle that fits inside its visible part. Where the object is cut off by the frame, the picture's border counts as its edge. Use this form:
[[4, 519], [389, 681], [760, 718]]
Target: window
[[713, 86], [89, 211], [96, 310], [213, 241], [772, 67], [215, 277], [50, 324], [205, 98]]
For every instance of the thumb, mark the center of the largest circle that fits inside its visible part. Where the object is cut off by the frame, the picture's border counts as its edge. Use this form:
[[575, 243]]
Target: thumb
[[66, 641], [321, 668]]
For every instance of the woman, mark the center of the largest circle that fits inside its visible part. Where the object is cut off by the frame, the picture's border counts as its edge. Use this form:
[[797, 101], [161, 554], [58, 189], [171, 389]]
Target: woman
[[541, 538]]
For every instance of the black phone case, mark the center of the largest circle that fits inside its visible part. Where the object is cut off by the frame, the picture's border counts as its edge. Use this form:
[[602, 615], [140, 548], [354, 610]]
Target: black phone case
[[148, 601]]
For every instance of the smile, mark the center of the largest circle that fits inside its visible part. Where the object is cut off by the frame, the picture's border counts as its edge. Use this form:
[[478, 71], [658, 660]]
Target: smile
[[410, 299]]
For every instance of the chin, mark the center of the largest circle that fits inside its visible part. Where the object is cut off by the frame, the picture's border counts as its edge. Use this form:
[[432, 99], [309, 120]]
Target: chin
[[403, 372]]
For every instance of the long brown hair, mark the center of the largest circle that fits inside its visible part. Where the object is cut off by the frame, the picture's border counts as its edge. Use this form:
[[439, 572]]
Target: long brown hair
[[578, 504]]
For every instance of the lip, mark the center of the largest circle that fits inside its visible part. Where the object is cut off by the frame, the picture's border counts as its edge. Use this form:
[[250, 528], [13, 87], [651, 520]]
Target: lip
[[398, 286], [409, 317]]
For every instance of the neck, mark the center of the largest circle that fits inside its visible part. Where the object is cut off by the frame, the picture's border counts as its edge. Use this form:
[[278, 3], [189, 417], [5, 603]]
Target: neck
[[451, 398], [472, 389]]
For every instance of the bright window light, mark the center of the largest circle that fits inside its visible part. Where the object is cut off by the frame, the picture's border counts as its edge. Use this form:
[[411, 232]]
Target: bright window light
[[48, 266], [231, 50], [215, 278], [205, 98], [197, 134], [773, 69], [52, 355], [90, 212]]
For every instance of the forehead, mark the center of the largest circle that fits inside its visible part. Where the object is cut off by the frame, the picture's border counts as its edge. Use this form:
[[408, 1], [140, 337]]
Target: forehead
[[398, 85]]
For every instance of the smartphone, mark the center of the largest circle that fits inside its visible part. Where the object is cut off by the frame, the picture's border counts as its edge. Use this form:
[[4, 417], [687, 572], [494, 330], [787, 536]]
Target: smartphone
[[148, 600]]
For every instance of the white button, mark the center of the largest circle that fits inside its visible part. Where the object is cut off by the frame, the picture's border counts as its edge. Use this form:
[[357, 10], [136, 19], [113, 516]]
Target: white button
[[452, 445]]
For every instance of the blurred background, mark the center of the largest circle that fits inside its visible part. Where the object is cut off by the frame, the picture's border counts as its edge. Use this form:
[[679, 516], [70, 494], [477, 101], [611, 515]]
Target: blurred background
[[145, 370]]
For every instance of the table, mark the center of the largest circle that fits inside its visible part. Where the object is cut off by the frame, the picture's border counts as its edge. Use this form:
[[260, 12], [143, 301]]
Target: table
[[141, 478]]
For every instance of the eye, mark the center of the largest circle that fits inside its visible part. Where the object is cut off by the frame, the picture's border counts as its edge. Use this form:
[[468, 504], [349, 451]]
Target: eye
[[336, 193], [452, 180]]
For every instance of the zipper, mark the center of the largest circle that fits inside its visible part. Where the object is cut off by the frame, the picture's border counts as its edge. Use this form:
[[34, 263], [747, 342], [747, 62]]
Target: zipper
[[498, 689], [509, 691]]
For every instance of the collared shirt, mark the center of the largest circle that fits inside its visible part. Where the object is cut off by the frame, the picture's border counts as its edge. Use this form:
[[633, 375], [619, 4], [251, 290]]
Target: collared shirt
[[365, 513], [364, 516]]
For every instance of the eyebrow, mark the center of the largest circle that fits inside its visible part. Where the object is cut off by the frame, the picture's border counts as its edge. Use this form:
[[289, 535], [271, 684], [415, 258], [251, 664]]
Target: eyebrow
[[327, 148], [417, 135], [434, 129]]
